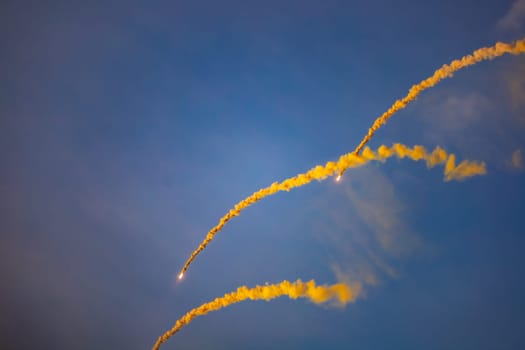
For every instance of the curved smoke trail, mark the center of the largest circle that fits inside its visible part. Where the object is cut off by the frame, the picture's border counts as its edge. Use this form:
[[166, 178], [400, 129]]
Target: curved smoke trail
[[350, 160], [340, 293], [446, 71]]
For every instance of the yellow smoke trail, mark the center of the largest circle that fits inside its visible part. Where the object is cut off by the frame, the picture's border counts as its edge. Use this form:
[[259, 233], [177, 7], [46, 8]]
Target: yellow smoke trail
[[446, 71], [340, 293], [350, 160]]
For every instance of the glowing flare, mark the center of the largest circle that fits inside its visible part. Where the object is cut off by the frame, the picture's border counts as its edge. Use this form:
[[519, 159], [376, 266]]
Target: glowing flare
[[181, 275], [340, 293], [350, 160], [338, 178]]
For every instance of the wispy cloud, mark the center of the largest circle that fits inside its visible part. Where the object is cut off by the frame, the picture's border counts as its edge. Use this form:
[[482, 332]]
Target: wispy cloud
[[455, 112], [514, 20], [447, 116], [365, 228], [515, 84], [517, 159]]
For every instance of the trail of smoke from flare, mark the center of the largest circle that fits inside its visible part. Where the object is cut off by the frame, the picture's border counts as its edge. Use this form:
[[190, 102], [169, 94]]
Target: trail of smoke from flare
[[446, 71], [340, 293], [350, 160]]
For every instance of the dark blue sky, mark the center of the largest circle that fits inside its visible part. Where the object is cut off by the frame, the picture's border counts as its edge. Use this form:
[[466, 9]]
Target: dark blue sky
[[127, 129]]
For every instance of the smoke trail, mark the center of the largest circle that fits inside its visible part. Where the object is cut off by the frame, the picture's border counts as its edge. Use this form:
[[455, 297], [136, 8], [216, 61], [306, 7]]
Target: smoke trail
[[446, 71], [340, 293], [350, 160]]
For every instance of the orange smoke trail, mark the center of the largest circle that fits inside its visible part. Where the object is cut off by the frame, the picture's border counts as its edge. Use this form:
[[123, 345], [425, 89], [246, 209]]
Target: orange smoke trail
[[446, 71], [339, 293], [349, 160]]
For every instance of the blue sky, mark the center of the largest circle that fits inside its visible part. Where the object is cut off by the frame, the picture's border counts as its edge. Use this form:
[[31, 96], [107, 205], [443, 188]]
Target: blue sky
[[127, 129]]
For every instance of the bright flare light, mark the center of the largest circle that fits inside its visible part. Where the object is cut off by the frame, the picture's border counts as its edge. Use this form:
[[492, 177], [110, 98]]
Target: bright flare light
[[181, 275], [338, 178]]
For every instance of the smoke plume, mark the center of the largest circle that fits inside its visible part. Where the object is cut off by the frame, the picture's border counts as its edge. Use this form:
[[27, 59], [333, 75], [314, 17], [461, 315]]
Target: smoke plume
[[340, 294], [353, 159], [349, 160]]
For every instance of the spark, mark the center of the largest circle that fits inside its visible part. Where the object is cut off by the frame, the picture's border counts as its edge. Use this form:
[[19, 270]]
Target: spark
[[338, 178], [181, 275]]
